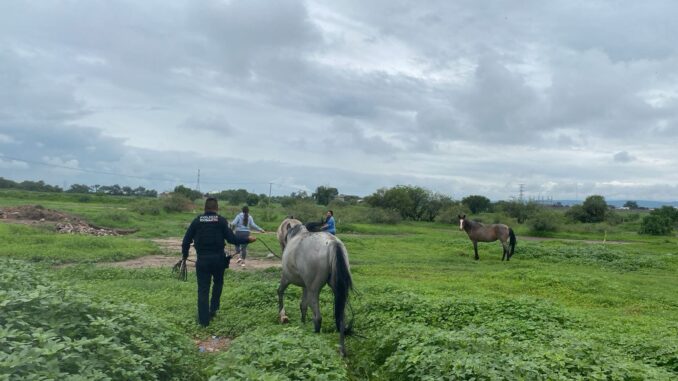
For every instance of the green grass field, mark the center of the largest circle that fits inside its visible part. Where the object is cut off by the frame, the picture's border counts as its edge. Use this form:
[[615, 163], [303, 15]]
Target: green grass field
[[423, 310]]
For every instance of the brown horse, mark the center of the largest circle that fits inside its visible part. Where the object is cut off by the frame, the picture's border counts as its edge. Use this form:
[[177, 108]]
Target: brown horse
[[478, 232]]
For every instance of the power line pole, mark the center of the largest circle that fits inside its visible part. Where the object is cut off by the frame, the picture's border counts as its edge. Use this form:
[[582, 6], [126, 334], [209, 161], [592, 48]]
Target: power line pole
[[198, 180], [521, 191], [270, 185]]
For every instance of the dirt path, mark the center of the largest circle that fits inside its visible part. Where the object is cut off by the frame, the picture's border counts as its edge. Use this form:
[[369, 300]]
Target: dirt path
[[529, 238], [171, 248]]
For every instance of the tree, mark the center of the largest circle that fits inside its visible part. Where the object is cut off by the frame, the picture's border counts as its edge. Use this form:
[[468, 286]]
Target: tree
[[631, 205], [79, 188], [595, 208], [412, 203], [668, 212], [252, 199], [477, 203], [323, 195], [655, 224], [187, 192], [519, 210]]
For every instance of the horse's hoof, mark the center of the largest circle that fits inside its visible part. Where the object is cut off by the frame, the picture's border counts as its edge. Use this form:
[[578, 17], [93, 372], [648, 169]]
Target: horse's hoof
[[284, 320]]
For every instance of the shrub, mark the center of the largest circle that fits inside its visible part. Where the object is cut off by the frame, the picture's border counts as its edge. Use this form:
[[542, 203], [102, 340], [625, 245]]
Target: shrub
[[305, 211], [176, 202], [147, 208], [383, 216], [655, 225], [49, 331], [450, 214], [544, 221]]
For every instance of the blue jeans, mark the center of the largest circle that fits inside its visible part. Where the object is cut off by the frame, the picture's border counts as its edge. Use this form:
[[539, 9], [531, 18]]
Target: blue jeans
[[242, 249]]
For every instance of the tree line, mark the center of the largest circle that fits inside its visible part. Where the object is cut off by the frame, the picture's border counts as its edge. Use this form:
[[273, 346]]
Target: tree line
[[412, 203]]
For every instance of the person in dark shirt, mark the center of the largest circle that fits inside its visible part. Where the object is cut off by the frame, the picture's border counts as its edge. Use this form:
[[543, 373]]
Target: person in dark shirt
[[207, 232]]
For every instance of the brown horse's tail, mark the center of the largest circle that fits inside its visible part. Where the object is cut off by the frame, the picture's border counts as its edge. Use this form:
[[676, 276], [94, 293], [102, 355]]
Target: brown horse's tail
[[512, 242], [343, 283]]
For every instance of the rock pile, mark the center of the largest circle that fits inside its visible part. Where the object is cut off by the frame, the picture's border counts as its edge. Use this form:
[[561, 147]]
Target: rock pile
[[68, 228]]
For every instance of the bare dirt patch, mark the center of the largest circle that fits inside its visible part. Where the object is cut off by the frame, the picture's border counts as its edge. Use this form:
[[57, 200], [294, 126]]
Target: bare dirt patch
[[213, 344], [62, 222], [256, 259]]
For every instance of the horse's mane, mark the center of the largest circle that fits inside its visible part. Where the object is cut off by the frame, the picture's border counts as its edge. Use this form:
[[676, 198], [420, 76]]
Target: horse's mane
[[294, 230], [314, 226]]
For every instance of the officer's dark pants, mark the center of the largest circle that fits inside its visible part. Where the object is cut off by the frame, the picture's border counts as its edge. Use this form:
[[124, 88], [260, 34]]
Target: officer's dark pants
[[208, 268]]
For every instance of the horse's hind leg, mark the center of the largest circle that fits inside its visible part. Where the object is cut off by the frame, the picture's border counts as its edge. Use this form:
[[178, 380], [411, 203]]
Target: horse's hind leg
[[314, 299], [475, 250], [505, 246], [281, 307], [304, 305]]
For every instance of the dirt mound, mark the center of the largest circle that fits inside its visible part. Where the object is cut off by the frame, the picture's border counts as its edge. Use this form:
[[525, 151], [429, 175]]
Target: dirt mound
[[65, 223], [37, 213]]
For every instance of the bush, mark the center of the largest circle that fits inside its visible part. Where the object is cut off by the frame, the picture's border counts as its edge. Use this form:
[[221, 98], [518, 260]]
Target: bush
[[450, 214], [147, 208], [544, 221], [655, 225], [48, 331], [383, 216], [176, 202], [305, 211]]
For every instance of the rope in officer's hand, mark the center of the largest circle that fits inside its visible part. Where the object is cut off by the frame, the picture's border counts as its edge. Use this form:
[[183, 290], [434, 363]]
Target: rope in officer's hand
[[180, 269]]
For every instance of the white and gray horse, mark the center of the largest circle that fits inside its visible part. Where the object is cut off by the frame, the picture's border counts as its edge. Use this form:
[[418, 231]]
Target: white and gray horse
[[311, 260]]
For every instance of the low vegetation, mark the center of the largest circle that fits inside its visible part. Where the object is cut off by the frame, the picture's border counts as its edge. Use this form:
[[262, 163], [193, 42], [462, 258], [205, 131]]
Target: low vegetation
[[591, 308]]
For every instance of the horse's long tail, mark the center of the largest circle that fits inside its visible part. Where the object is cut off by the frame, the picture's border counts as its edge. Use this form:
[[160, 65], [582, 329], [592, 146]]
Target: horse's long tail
[[343, 283], [512, 242]]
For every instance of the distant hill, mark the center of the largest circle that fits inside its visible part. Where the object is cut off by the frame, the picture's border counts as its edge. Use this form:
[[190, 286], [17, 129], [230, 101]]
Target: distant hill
[[620, 203]]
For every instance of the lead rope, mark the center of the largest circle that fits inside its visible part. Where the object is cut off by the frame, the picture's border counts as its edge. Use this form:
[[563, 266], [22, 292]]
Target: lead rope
[[269, 249]]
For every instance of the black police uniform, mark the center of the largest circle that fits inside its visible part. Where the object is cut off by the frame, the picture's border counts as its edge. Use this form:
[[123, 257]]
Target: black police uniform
[[208, 232]]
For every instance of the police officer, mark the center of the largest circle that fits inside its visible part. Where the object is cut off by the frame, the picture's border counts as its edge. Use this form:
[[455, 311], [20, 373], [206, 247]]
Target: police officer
[[208, 232]]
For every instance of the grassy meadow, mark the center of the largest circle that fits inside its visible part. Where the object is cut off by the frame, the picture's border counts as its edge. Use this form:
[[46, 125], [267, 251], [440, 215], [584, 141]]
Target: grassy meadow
[[570, 307]]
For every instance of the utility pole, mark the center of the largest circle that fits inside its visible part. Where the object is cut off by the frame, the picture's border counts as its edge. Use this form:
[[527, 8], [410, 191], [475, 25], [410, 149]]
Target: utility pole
[[521, 191], [198, 189], [270, 185]]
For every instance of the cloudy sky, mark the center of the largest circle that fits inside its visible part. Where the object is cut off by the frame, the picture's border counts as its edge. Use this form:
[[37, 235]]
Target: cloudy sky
[[569, 98]]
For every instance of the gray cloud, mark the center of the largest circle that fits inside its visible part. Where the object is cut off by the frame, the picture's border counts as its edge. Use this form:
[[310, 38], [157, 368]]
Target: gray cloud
[[461, 97], [623, 157]]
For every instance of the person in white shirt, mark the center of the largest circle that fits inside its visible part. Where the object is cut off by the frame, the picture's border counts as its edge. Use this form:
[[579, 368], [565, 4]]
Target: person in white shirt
[[242, 223]]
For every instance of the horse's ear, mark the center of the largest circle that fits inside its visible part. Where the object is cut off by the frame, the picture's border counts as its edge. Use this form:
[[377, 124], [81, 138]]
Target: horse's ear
[[287, 227], [463, 217]]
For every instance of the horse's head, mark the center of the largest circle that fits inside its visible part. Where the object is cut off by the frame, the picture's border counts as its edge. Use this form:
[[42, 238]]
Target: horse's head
[[462, 219]]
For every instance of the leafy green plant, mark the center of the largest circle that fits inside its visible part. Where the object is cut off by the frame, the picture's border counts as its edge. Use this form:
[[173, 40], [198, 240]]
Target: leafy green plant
[[177, 202], [51, 332], [654, 224], [544, 222], [293, 354]]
